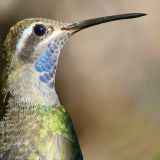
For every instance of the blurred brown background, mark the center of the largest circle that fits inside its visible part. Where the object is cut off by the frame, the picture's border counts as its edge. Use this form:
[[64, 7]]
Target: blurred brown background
[[108, 76]]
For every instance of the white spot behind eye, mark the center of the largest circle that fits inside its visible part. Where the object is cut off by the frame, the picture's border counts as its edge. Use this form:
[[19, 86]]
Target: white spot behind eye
[[22, 40]]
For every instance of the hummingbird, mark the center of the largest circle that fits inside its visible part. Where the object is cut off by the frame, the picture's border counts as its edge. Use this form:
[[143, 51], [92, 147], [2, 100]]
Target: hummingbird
[[34, 125]]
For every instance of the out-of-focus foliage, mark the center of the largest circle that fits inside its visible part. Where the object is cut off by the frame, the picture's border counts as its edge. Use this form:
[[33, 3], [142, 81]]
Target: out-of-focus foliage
[[108, 76]]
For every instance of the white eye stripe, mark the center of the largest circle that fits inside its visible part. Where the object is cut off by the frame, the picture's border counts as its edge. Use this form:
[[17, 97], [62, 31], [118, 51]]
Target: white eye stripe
[[21, 42]]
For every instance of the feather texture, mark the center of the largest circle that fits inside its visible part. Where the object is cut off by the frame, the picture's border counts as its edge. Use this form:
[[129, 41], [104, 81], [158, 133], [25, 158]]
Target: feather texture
[[38, 133]]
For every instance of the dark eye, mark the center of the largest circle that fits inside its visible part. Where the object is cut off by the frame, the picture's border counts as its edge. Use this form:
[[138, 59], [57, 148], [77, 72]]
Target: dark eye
[[40, 30]]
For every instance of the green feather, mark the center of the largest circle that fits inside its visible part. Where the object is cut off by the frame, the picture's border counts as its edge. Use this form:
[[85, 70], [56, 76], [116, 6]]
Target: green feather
[[44, 132]]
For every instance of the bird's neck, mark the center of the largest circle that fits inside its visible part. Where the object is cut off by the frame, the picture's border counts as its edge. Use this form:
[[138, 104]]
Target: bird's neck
[[24, 85]]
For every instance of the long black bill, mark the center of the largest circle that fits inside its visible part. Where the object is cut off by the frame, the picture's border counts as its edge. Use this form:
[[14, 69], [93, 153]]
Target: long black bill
[[77, 26]]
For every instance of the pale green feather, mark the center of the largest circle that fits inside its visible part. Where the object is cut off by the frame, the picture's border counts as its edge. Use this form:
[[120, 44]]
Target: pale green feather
[[43, 132]]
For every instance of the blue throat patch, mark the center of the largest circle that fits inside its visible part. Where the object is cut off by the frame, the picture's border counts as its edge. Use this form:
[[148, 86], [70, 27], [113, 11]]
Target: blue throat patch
[[47, 63]]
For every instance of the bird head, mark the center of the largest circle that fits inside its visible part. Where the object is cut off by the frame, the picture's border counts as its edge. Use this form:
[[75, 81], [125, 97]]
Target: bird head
[[39, 41]]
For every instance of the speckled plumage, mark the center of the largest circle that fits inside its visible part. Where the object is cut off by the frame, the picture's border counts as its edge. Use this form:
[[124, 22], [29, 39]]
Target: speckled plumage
[[39, 132], [34, 125]]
